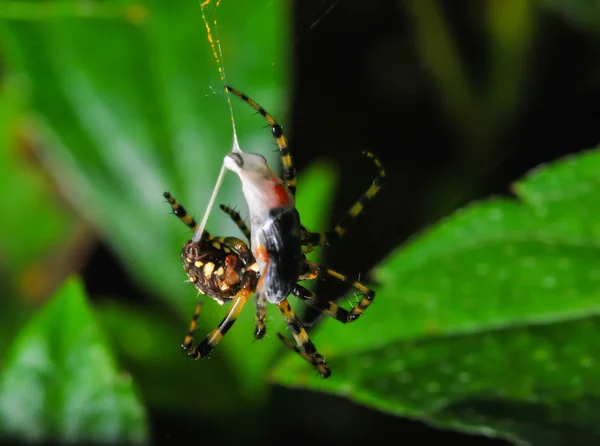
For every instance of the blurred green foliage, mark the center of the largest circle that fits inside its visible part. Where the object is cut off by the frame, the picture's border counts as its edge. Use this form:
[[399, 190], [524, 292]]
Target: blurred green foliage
[[117, 140], [60, 381], [583, 13], [484, 323]]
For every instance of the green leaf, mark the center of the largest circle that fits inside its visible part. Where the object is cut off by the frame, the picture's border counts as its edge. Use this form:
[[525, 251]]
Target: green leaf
[[486, 321], [582, 13], [142, 110], [60, 381]]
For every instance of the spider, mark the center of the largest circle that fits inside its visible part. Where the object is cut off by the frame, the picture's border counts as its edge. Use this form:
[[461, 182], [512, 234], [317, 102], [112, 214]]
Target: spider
[[226, 269]]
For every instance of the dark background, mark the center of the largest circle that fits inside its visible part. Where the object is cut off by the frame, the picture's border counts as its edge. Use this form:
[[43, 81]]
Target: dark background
[[360, 84]]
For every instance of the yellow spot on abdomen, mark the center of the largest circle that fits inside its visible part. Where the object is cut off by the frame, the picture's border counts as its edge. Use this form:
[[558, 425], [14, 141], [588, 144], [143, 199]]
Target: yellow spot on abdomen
[[208, 269]]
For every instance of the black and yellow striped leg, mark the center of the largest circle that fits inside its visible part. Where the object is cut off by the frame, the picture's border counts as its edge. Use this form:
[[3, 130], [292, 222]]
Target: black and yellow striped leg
[[289, 171], [233, 243], [180, 212], [329, 308], [291, 346], [333, 310], [187, 342], [312, 239], [260, 328], [202, 350], [306, 348], [235, 216]]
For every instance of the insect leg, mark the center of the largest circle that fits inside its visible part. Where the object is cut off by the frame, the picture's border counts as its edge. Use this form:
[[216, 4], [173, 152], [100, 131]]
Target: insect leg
[[261, 316]]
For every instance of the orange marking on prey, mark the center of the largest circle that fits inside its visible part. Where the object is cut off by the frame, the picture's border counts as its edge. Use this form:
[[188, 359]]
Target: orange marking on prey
[[261, 255], [283, 195]]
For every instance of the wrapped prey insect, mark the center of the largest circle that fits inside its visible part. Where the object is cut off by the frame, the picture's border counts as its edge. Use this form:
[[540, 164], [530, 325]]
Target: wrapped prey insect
[[227, 270], [279, 241]]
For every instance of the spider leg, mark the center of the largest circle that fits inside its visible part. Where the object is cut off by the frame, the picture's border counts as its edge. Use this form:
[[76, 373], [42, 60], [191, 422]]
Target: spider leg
[[202, 350], [330, 308], [289, 171], [180, 212], [233, 243], [303, 355], [312, 239], [235, 216], [187, 342], [305, 346]]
